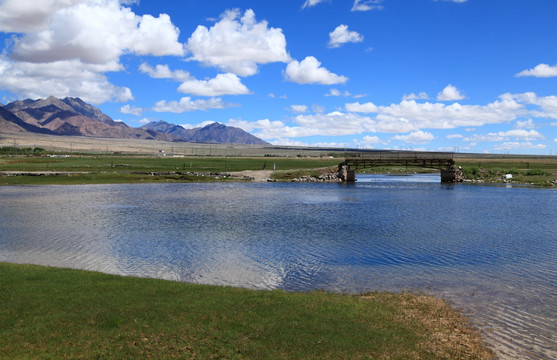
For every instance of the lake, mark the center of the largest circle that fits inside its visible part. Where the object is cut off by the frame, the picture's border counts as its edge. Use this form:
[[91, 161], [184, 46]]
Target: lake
[[489, 250]]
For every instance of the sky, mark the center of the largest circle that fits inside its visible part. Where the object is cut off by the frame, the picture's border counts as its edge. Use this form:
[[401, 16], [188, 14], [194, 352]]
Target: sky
[[437, 75]]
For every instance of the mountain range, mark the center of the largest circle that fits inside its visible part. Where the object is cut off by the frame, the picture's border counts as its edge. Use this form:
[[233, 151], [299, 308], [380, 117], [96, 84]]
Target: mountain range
[[74, 117]]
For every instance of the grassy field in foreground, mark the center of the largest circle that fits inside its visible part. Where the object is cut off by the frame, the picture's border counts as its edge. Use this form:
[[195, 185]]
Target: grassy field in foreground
[[126, 169], [52, 313]]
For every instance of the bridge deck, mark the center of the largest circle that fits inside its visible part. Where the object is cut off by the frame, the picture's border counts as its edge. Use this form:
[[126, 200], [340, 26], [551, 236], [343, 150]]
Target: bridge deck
[[422, 159]]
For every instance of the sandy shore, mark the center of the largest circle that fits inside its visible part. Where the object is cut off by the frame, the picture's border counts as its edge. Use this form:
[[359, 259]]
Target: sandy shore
[[257, 175]]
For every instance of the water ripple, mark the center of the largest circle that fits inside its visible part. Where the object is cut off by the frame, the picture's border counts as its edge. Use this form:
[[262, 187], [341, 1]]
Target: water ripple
[[489, 250]]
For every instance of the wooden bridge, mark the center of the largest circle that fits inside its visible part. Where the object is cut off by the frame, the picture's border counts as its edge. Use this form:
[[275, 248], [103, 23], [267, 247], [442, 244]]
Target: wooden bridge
[[436, 160]]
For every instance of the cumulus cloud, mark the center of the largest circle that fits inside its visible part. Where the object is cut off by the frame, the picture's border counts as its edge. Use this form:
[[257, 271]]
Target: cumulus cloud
[[132, 110], [541, 71], [547, 105], [367, 5], [337, 92], [310, 3], [238, 44], [515, 145], [61, 79], [186, 104], [30, 15], [299, 109], [417, 137], [164, 72], [526, 124], [341, 35], [371, 140], [412, 96], [97, 32], [64, 47], [408, 121], [222, 84], [518, 134], [409, 115], [309, 71], [368, 107], [450, 93]]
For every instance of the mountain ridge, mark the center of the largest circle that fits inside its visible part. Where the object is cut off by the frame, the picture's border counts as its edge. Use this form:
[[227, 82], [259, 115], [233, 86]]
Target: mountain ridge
[[74, 117]]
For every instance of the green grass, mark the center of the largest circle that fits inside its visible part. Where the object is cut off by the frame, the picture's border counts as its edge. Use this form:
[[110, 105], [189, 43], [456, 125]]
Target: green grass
[[125, 169], [541, 172], [51, 313]]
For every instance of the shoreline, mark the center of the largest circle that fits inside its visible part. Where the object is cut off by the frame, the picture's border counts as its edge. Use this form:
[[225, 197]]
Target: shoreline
[[169, 319]]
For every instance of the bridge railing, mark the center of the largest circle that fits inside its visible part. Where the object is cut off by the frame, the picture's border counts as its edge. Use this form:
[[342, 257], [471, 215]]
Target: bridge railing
[[398, 155]]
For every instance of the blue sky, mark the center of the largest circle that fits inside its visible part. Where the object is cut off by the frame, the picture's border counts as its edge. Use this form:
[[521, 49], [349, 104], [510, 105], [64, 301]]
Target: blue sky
[[447, 75]]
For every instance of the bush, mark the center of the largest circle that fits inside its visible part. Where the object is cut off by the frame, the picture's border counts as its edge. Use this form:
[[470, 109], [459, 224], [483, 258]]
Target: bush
[[537, 172]]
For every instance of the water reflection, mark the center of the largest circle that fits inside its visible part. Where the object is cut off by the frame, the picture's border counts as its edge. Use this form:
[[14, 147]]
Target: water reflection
[[490, 250]]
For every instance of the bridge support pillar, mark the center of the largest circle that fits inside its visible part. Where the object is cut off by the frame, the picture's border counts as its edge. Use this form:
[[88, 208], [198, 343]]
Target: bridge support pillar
[[448, 175], [346, 174]]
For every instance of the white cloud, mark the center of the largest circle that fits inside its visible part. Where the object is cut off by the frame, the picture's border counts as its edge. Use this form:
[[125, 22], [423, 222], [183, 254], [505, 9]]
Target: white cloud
[[450, 93], [309, 71], [222, 84], [517, 134], [412, 96], [64, 47], [547, 104], [371, 140], [368, 107], [336, 92], [522, 134], [417, 137], [61, 79], [299, 109], [409, 115], [341, 35], [526, 124], [164, 72], [97, 32], [144, 121], [508, 146], [367, 5], [318, 109], [132, 110], [29, 15], [187, 104], [455, 1], [411, 118], [193, 126], [238, 45], [310, 3], [541, 70]]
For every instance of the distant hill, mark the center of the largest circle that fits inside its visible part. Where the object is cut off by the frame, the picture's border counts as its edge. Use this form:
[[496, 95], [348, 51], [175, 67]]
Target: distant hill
[[69, 116], [212, 133], [74, 117]]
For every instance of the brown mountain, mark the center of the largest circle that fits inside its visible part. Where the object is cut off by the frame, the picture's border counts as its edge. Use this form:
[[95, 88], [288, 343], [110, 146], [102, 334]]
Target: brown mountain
[[212, 133], [72, 116], [69, 116]]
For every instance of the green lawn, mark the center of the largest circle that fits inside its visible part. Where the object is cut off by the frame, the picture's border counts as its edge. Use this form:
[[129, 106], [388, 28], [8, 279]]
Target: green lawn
[[51, 313], [125, 169]]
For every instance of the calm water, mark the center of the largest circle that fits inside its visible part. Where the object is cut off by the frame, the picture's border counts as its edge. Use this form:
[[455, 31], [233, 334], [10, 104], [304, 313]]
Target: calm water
[[490, 250]]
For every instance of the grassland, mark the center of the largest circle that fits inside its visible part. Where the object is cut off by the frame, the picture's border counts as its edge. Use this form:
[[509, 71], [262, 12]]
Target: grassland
[[89, 169], [95, 160], [51, 313]]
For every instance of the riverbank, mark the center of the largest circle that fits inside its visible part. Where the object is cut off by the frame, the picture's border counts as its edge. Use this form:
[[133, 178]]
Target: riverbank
[[94, 169], [61, 313]]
